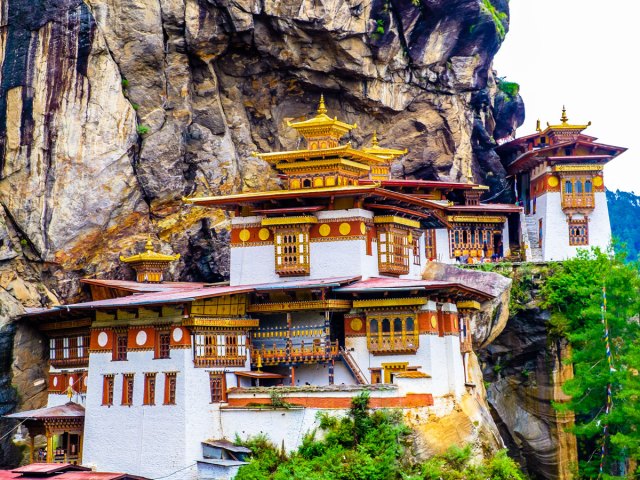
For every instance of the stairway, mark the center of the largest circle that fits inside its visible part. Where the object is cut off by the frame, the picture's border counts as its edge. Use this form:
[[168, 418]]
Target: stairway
[[531, 225], [353, 366]]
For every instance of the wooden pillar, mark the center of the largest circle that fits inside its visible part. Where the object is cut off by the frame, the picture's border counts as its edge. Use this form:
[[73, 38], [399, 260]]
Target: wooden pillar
[[292, 372], [50, 455], [32, 446], [327, 345]]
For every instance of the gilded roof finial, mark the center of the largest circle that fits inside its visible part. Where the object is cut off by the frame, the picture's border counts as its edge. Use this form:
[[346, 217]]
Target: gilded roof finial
[[149, 245], [374, 139], [322, 109], [538, 129], [564, 118]]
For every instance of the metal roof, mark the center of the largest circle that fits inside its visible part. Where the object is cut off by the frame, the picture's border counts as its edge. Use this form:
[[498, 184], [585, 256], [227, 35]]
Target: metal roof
[[384, 284], [227, 445], [49, 468], [68, 410]]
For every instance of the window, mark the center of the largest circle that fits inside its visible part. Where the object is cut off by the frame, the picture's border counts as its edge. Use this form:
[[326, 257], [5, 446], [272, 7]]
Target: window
[[416, 251], [588, 187], [69, 351], [217, 385], [170, 388], [578, 186], [568, 151], [430, 244], [475, 241], [578, 232], [306, 183], [220, 349], [149, 389], [393, 250], [107, 390], [162, 344], [127, 389], [568, 187], [120, 347], [292, 251], [390, 333]]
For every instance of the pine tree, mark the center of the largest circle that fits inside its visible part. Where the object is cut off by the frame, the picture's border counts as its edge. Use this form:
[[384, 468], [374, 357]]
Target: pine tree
[[574, 294]]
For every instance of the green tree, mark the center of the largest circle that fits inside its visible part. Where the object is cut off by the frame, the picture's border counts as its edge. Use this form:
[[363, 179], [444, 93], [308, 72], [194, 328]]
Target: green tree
[[574, 296]]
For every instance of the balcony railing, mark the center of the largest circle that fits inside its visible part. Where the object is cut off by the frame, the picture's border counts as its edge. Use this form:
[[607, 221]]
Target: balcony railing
[[215, 361], [392, 343], [578, 200], [295, 353]]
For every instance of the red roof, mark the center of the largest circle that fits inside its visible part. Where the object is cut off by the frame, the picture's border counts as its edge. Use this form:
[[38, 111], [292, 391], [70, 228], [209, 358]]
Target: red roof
[[94, 476], [68, 410], [422, 184], [487, 207], [377, 284], [7, 474], [49, 468]]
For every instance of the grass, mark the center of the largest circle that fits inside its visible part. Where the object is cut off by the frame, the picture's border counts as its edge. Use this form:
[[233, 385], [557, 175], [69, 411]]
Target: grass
[[142, 129], [498, 17]]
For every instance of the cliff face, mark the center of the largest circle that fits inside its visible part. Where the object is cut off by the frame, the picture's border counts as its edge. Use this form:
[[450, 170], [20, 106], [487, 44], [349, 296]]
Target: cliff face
[[111, 111]]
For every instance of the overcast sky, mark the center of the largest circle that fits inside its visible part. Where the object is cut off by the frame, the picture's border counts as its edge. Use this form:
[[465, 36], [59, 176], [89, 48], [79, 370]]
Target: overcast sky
[[583, 54]]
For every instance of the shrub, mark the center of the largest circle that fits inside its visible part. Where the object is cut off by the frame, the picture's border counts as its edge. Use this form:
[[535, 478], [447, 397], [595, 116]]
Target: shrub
[[142, 129]]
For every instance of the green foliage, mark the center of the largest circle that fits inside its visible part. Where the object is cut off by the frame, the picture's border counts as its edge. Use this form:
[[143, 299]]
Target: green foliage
[[624, 212], [24, 242], [574, 296], [125, 83], [510, 89], [277, 399], [379, 27], [497, 16], [365, 445], [142, 129], [135, 106]]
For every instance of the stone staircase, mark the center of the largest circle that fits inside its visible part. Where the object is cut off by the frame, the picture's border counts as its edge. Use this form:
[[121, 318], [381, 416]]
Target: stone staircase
[[353, 366], [531, 225]]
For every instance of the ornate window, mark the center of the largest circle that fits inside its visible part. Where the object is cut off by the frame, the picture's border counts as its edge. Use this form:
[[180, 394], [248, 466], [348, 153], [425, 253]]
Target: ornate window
[[149, 389], [217, 386], [474, 240], [120, 347], [430, 244], [393, 249], [588, 186], [127, 389], [568, 187], [416, 250], [69, 351], [578, 193], [163, 342], [170, 381], [220, 349], [578, 232], [292, 251], [107, 389], [391, 333]]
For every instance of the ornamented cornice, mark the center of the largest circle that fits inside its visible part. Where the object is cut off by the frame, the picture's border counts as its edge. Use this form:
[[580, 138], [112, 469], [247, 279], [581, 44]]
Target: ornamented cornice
[[390, 302], [397, 220], [201, 321], [331, 304], [476, 219], [302, 219]]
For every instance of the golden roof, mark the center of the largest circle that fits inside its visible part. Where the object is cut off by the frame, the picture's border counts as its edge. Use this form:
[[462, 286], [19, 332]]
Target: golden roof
[[376, 149], [339, 151], [565, 125], [322, 124], [149, 255]]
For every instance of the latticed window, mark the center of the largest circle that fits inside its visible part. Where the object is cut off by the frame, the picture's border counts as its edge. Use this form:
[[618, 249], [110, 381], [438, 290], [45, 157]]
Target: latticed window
[[120, 347], [472, 240], [392, 332], [393, 250], [217, 387], [578, 232], [170, 385], [416, 250], [163, 344], [292, 251], [69, 351], [430, 244], [220, 349], [149, 389], [107, 390], [127, 389]]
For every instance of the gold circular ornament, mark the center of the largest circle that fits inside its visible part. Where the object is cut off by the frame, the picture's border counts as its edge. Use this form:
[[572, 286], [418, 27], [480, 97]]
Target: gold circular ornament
[[325, 229], [356, 324], [597, 181], [263, 234], [434, 321], [363, 228], [553, 181], [244, 235], [345, 228]]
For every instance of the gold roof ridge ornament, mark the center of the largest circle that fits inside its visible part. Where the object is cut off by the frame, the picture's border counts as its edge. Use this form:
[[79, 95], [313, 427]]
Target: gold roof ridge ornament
[[387, 153], [149, 265], [564, 123]]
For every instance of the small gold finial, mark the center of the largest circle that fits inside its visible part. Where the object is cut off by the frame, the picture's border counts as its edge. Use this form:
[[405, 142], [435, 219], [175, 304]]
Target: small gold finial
[[322, 109], [149, 245], [564, 118], [374, 139], [538, 129], [69, 392], [469, 173]]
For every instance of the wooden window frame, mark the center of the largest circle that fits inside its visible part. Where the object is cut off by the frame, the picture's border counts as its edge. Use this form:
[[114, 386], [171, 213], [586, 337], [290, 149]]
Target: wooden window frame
[[127, 389], [108, 383], [120, 349], [393, 250], [170, 388], [578, 233], [149, 397], [162, 349], [218, 387], [390, 340], [292, 250], [217, 348], [416, 249]]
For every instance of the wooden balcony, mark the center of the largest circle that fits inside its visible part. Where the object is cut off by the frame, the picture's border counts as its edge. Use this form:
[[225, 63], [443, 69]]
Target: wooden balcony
[[216, 361], [393, 268], [70, 362], [320, 305], [390, 343], [578, 200], [296, 353]]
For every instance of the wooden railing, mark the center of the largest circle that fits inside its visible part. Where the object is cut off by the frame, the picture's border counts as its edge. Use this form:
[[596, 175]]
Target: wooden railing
[[294, 353], [578, 200], [385, 343], [353, 366]]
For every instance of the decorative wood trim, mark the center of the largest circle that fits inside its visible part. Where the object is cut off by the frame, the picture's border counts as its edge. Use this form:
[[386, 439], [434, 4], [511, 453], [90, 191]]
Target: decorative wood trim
[[390, 302], [397, 220], [331, 304], [476, 219], [229, 322], [298, 220]]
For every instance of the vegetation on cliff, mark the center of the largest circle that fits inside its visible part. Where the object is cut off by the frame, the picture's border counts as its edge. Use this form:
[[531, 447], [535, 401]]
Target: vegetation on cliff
[[574, 295], [366, 445], [624, 212]]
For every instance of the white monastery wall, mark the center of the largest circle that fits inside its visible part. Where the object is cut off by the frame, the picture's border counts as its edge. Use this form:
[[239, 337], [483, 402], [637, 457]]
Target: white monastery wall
[[442, 246]]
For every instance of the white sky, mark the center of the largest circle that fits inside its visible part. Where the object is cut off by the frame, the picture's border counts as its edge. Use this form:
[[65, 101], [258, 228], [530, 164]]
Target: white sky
[[583, 54]]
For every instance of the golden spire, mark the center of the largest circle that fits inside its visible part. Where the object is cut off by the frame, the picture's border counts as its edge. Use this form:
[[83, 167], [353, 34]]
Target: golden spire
[[149, 265], [564, 118], [149, 245], [538, 129], [374, 139], [322, 109]]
